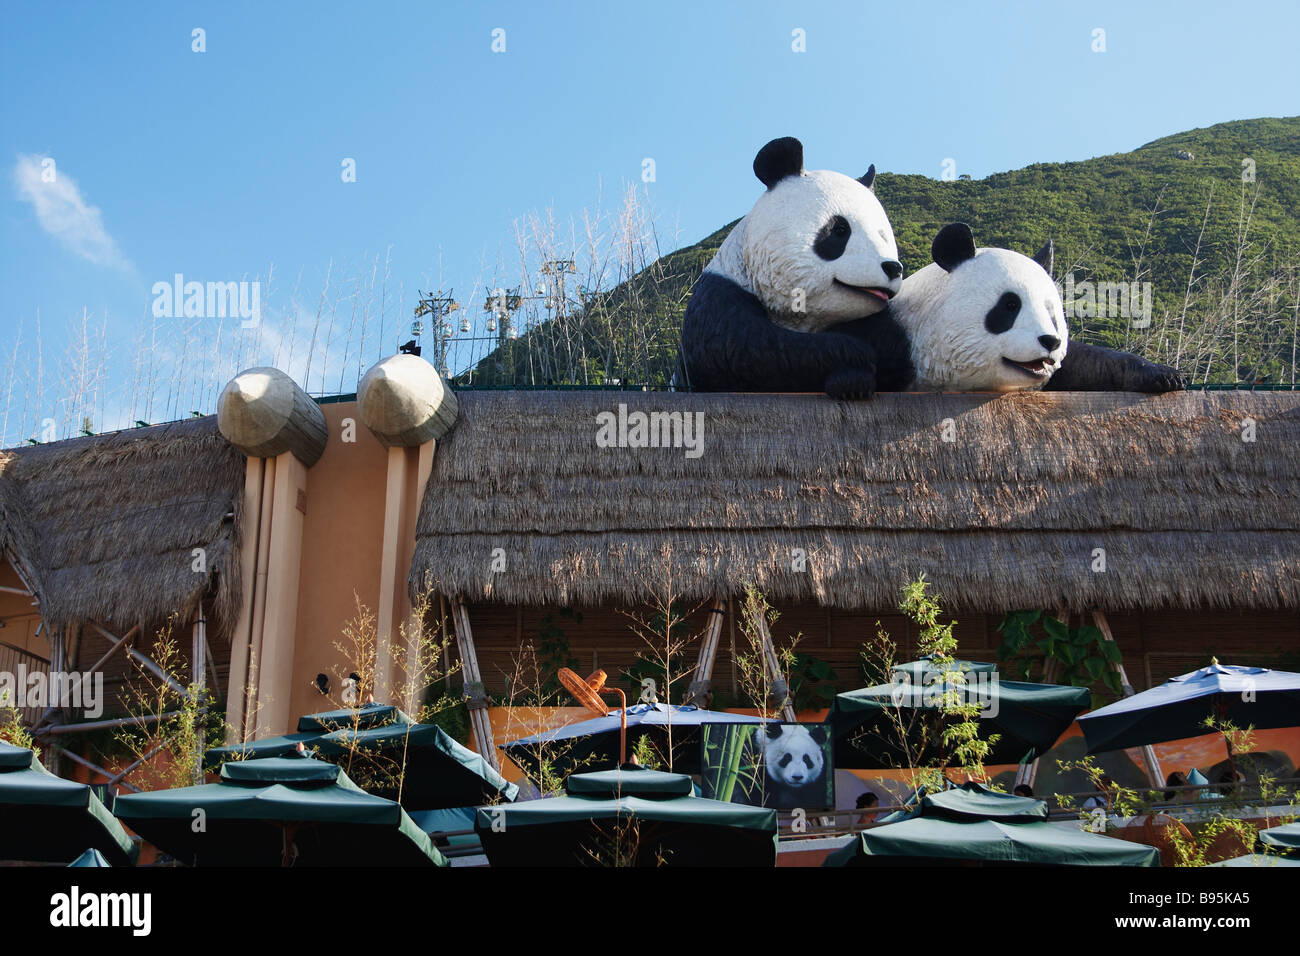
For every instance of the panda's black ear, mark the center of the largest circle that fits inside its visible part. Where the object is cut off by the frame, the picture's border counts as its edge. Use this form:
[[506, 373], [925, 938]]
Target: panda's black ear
[[774, 730], [953, 246], [1046, 256], [868, 178], [778, 159], [818, 733]]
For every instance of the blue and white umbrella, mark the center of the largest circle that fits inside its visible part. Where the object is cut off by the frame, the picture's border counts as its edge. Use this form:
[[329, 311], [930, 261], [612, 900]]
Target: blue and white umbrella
[[1254, 697], [593, 744]]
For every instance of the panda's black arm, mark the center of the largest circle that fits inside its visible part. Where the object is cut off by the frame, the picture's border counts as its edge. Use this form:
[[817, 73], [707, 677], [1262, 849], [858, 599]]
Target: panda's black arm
[[730, 344], [1094, 368], [891, 345]]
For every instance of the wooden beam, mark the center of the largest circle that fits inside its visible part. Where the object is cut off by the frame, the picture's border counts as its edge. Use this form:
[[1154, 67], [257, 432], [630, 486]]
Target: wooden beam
[[198, 662], [442, 626], [123, 774], [1154, 773], [148, 664], [237, 692], [702, 679], [111, 723], [118, 642], [252, 704], [264, 414], [731, 649], [480, 724], [198, 651], [403, 401], [780, 689], [76, 758], [394, 598], [280, 617]]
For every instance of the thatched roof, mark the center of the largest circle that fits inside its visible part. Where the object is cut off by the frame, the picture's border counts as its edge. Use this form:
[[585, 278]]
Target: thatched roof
[[1007, 515], [103, 528]]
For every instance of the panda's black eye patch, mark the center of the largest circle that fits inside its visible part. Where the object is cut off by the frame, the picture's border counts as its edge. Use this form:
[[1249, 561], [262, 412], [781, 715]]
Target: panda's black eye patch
[[807, 761], [785, 760], [832, 238], [1003, 315]]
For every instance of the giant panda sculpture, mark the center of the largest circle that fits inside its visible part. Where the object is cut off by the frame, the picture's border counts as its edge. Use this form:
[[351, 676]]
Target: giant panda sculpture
[[993, 320], [784, 303]]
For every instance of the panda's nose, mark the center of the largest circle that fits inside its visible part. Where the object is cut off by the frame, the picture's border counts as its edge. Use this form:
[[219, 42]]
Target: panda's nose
[[892, 267], [1049, 342]]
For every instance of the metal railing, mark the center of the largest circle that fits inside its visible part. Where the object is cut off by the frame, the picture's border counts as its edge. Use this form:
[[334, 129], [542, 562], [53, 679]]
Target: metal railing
[[16, 661]]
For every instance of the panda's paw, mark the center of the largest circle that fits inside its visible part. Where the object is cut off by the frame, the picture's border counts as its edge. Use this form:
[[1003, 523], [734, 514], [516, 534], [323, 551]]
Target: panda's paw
[[1153, 377], [851, 383]]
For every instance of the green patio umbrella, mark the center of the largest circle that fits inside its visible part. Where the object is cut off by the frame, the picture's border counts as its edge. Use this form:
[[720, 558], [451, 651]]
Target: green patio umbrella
[[1258, 859], [311, 727], [1284, 837], [1027, 718], [91, 858], [631, 815], [364, 717], [276, 811], [439, 773], [1246, 697], [973, 824], [372, 744], [47, 819], [594, 744]]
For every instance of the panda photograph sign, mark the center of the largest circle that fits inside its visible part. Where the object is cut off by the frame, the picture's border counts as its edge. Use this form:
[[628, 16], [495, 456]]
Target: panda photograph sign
[[783, 766]]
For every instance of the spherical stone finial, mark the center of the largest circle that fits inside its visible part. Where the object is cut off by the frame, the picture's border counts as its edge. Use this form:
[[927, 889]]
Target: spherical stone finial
[[403, 400], [264, 413]]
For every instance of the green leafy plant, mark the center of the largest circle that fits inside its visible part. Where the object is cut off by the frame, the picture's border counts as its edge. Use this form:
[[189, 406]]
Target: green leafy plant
[[764, 682], [930, 740], [645, 754], [553, 652], [12, 729], [1083, 655], [812, 682], [174, 724]]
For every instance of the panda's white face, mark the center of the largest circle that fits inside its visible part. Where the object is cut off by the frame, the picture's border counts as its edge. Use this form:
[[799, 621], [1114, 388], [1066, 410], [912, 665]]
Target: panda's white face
[[793, 757], [995, 322], [817, 249]]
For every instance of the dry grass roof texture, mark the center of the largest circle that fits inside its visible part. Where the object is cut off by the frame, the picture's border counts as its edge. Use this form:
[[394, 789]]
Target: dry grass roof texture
[[104, 528], [1008, 514]]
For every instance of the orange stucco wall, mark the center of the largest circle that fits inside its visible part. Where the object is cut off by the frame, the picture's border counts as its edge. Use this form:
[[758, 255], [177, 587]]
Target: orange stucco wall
[[342, 538]]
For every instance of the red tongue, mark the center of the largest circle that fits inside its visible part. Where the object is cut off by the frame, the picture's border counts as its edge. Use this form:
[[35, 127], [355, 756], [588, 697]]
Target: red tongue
[[879, 295]]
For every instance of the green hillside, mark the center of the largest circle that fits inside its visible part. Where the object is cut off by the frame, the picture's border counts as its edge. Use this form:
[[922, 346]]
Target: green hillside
[[1134, 216]]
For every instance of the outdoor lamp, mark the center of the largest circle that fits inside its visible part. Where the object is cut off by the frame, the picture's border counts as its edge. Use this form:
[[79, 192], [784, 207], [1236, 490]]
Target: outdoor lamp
[[588, 694]]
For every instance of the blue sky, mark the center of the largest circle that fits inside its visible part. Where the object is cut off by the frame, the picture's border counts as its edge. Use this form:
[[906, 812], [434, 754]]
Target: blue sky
[[218, 165]]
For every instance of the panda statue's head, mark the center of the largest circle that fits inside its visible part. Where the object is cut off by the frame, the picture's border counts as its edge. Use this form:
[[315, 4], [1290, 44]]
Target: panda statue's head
[[983, 319], [817, 248], [793, 754]]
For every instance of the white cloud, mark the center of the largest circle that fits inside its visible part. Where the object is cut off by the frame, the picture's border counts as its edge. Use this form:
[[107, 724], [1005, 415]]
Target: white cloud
[[63, 213]]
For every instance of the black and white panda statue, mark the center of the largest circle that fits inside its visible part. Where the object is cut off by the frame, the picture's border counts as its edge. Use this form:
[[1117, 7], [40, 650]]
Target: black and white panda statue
[[993, 320], [782, 305]]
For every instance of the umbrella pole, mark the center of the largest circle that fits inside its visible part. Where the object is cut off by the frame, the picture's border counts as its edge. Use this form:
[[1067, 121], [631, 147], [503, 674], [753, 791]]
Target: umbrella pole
[[1154, 773], [622, 724], [1222, 708]]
